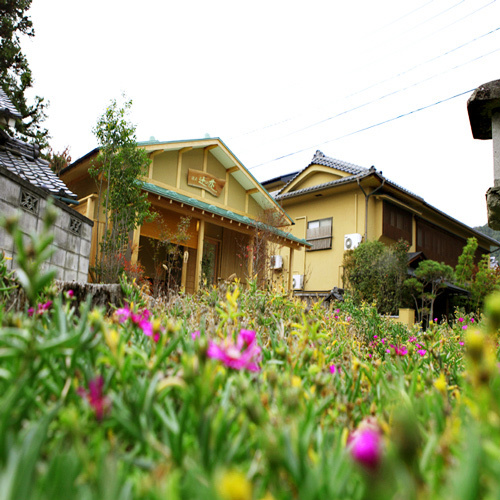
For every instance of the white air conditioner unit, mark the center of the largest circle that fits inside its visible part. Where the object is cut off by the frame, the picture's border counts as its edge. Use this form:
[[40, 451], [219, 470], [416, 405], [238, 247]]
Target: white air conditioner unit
[[276, 262], [351, 241], [298, 281]]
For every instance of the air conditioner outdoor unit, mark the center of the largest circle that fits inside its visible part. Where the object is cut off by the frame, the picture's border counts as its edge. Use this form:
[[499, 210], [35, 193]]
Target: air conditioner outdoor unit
[[351, 241], [298, 281], [276, 262]]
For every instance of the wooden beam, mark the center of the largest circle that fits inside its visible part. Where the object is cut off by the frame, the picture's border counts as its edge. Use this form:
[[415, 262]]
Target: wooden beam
[[232, 170], [179, 165], [252, 191]]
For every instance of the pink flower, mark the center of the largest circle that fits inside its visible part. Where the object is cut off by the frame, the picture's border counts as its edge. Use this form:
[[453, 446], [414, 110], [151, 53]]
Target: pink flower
[[365, 446], [99, 403], [462, 343], [461, 320], [472, 320], [334, 369], [195, 334], [139, 318], [422, 352], [464, 327], [44, 307], [70, 294], [244, 354], [399, 350], [122, 314]]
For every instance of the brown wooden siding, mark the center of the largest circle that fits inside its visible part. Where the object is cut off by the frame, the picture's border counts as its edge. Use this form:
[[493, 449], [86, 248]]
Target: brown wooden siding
[[397, 223], [438, 244]]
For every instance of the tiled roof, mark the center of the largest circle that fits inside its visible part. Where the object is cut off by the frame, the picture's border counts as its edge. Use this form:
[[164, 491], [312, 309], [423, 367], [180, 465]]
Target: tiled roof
[[6, 106], [227, 214], [23, 160], [320, 158]]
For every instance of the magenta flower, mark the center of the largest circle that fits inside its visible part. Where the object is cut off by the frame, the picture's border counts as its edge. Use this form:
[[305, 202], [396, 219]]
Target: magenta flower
[[99, 402], [365, 446], [244, 354], [422, 352], [195, 334], [70, 294], [44, 307], [462, 343], [464, 327], [139, 318], [461, 320], [334, 369], [399, 350]]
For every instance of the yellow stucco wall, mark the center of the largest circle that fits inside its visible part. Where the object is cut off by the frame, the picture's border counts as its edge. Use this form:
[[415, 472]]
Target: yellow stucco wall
[[318, 178], [164, 171], [165, 167], [323, 268]]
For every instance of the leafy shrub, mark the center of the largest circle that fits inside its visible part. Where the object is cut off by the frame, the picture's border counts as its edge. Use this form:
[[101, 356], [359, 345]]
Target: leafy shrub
[[338, 403]]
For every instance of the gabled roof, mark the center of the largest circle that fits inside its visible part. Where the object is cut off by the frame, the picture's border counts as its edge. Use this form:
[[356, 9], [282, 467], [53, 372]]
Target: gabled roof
[[320, 158], [24, 160], [228, 160], [358, 174]]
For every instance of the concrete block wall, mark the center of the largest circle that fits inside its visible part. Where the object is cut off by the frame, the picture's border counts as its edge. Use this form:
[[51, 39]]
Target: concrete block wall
[[72, 231]]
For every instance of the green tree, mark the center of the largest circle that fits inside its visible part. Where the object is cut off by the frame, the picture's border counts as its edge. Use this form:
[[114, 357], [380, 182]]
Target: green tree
[[376, 272], [15, 74], [464, 271], [431, 279], [122, 203]]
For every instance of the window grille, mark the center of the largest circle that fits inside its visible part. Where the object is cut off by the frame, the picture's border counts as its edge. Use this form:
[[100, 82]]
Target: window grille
[[75, 225], [29, 202]]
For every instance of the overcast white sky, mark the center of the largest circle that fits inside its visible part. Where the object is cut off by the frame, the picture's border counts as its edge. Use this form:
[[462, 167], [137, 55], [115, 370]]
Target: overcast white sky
[[281, 79]]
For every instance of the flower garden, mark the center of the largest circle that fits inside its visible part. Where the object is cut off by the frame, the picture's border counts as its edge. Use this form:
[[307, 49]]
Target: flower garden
[[237, 394]]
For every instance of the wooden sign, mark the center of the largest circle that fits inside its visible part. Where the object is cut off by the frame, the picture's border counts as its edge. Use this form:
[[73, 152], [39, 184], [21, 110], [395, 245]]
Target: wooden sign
[[206, 181]]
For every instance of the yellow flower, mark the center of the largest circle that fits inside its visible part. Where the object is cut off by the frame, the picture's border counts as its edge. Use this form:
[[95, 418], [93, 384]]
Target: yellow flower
[[296, 381], [440, 384], [267, 496], [112, 337], [233, 485]]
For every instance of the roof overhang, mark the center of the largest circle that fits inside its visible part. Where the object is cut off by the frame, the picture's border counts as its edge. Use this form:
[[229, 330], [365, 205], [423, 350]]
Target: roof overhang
[[204, 210]]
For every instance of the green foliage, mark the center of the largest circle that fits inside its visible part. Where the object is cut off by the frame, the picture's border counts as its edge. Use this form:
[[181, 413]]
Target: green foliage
[[433, 278], [15, 74], [492, 234], [132, 406], [376, 272], [464, 271], [117, 170]]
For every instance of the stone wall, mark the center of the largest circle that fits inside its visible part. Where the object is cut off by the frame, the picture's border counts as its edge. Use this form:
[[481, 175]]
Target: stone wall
[[72, 231]]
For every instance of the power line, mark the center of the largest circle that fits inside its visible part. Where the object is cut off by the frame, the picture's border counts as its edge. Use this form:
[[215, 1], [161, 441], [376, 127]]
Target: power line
[[259, 129], [394, 92], [435, 58], [363, 129]]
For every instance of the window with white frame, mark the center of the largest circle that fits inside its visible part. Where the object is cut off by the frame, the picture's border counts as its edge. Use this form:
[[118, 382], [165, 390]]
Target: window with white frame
[[319, 234]]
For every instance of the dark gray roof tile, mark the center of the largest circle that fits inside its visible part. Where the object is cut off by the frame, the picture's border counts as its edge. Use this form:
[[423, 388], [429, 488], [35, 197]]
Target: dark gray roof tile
[[22, 159], [6, 106]]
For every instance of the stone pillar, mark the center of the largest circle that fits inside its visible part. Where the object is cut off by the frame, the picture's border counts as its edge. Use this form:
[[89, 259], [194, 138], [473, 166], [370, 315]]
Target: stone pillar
[[495, 134]]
